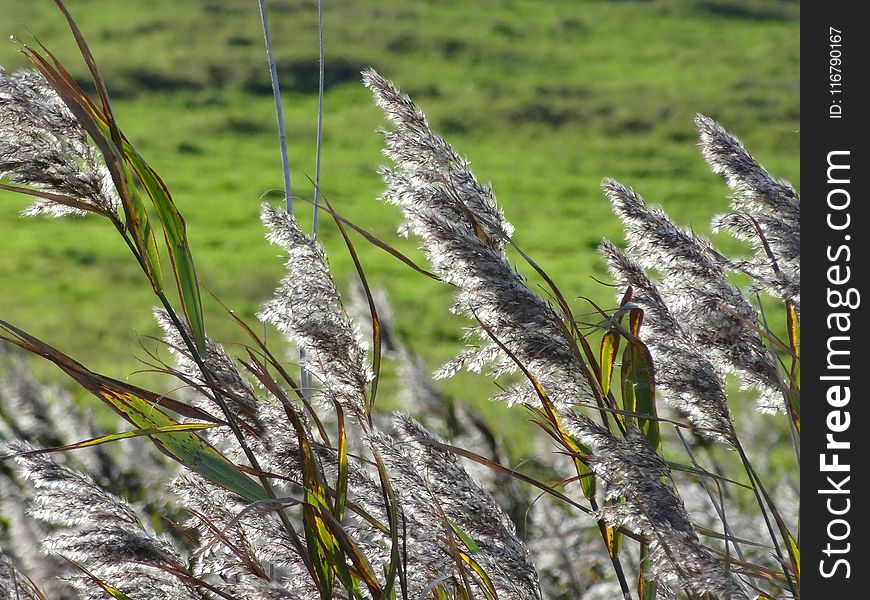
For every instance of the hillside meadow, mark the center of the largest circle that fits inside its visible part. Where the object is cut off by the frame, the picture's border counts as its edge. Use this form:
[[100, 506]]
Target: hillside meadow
[[545, 98]]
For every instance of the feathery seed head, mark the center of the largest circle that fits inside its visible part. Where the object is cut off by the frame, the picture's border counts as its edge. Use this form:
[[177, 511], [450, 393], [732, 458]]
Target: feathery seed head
[[685, 377], [713, 313], [43, 146], [307, 308], [766, 212], [463, 233]]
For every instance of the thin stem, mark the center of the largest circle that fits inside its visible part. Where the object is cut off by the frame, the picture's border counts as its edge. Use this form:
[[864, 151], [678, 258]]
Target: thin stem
[[217, 396], [614, 559], [795, 440], [756, 486], [322, 64], [720, 510], [234, 426], [304, 376], [279, 111]]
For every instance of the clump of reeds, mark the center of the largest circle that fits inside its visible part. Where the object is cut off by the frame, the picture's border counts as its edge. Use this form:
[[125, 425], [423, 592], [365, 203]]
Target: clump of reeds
[[278, 482]]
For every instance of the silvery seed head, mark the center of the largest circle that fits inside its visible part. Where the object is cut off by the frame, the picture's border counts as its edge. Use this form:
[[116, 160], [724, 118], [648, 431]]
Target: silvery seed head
[[635, 480], [44, 147], [694, 286], [307, 308], [766, 212], [463, 232], [685, 377]]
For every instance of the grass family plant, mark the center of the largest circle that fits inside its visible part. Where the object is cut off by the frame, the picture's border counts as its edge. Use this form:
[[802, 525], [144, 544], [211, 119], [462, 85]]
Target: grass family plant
[[263, 476]]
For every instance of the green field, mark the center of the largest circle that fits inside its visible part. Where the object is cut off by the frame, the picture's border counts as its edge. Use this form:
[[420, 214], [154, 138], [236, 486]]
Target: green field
[[544, 97]]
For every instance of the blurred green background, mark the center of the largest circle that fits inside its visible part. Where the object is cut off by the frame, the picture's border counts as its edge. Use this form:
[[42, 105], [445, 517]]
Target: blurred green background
[[545, 97]]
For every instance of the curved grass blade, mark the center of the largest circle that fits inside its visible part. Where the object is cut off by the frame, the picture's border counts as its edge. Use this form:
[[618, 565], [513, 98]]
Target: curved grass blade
[[646, 583], [587, 478], [175, 232], [359, 560], [111, 591], [92, 67], [269, 358], [466, 539], [488, 587], [473, 549], [342, 480], [113, 437], [609, 348], [378, 243], [796, 553], [453, 549], [100, 127], [321, 544], [396, 567], [614, 537], [59, 198], [376, 323], [793, 393], [184, 447], [507, 471]]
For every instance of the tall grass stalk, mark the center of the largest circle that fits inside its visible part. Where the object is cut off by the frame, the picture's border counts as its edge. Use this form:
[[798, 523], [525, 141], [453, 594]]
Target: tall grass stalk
[[321, 76]]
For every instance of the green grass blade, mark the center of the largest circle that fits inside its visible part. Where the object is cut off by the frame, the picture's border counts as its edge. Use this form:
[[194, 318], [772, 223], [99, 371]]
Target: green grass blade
[[350, 549], [323, 550], [391, 504], [466, 539], [102, 129], [110, 590], [587, 477], [184, 447], [59, 198], [638, 383], [342, 549], [646, 583], [379, 243], [342, 480], [376, 323], [92, 67], [796, 554], [488, 587], [175, 232], [113, 437], [614, 536], [794, 337]]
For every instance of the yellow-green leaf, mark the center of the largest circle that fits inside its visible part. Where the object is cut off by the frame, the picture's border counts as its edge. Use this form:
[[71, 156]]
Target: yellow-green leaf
[[609, 348], [341, 483], [796, 557], [638, 383], [391, 502], [646, 583], [488, 587], [466, 539], [113, 437], [794, 337], [110, 590], [100, 125], [175, 233], [129, 401]]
